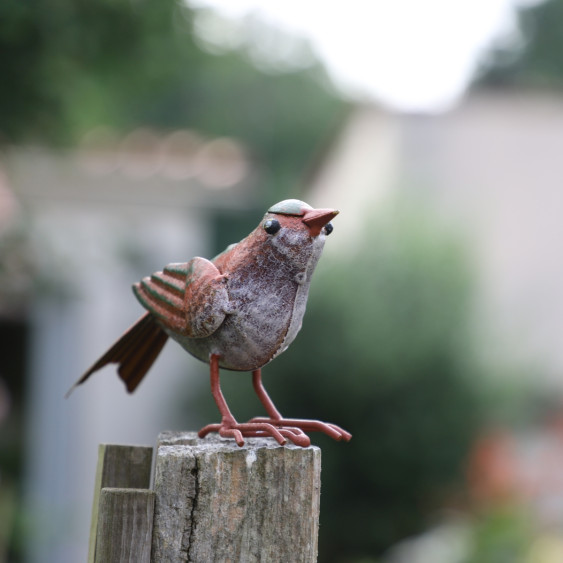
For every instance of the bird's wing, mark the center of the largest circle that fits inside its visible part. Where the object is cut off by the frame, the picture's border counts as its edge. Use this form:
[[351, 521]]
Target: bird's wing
[[188, 298]]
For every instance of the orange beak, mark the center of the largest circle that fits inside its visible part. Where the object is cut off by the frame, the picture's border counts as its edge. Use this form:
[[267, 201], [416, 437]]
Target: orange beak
[[316, 219]]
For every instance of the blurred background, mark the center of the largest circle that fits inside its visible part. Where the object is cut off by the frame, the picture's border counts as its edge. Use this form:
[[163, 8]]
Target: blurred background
[[137, 133]]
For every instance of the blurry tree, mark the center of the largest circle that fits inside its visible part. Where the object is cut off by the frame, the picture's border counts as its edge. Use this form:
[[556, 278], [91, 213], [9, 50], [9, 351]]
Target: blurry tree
[[384, 352], [72, 65], [505, 533], [535, 59]]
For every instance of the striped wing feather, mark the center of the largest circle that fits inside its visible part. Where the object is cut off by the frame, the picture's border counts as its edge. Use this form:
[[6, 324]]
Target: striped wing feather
[[188, 298], [163, 295]]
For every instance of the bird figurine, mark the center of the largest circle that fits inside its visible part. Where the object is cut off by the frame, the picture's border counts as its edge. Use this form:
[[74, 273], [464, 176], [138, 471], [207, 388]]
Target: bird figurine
[[237, 311]]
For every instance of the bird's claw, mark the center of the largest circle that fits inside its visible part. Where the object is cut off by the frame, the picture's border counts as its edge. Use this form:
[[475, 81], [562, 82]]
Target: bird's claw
[[306, 425], [257, 429], [281, 430]]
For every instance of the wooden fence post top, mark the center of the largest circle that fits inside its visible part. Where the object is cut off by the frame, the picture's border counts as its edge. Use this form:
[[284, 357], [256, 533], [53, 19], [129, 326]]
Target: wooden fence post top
[[214, 443], [216, 501], [174, 438]]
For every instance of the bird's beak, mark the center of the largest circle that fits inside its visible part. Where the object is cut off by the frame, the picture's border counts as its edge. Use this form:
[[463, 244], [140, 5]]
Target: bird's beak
[[316, 219]]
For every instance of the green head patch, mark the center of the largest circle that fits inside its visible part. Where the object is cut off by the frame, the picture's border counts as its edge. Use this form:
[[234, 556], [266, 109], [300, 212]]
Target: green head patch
[[290, 207]]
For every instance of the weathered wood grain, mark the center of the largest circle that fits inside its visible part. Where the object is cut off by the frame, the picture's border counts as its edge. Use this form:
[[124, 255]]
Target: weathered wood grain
[[125, 524], [118, 467], [218, 502]]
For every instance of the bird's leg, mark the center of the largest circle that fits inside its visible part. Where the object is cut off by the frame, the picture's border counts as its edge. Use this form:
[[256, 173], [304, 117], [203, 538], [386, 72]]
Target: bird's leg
[[228, 421], [229, 427], [263, 395], [296, 425]]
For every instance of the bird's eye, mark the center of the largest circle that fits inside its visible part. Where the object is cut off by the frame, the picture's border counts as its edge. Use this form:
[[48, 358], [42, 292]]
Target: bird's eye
[[272, 226], [328, 228]]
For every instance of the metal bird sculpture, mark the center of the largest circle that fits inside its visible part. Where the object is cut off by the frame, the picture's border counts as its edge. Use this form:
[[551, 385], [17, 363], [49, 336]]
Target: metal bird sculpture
[[237, 311]]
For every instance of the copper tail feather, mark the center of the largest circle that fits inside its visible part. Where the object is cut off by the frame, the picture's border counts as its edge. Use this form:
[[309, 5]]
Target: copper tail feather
[[135, 353]]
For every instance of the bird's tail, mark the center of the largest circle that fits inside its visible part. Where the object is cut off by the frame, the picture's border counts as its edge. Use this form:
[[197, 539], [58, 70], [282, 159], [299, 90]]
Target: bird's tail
[[135, 353]]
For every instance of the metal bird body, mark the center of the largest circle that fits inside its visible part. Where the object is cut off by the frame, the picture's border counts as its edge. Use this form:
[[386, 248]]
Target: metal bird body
[[238, 311]]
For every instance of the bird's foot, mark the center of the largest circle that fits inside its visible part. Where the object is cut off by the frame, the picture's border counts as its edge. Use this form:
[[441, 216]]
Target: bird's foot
[[306, 425], [257, 428]]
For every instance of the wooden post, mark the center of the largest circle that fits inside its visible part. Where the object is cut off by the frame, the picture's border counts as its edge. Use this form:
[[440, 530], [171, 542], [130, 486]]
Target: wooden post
[[218, 502], [118, 467], [125, 526]]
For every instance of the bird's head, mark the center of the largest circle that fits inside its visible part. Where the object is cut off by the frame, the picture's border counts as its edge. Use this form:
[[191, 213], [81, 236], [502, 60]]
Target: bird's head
[[297, 230]]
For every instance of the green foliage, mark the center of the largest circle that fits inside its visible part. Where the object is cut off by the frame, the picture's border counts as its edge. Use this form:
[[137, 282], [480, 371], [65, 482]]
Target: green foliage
[[502, 534], [538, 61]]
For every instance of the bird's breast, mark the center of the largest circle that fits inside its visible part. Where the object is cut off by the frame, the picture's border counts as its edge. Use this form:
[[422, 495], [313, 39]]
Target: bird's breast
[[268, 295], [264, 310], [264, 300]]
